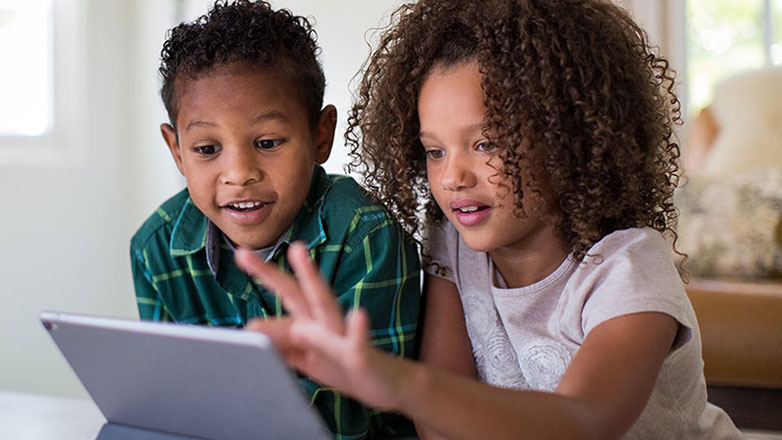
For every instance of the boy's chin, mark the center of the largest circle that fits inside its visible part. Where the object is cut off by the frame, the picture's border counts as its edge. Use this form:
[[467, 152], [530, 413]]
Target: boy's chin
[[251, 243], [253, 246]]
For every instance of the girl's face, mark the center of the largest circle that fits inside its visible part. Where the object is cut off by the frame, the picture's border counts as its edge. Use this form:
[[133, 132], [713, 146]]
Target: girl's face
[[462, 171]]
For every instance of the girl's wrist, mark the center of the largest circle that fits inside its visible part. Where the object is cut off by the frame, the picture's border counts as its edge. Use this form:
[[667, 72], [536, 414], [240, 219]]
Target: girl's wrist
[[398, 378], [412, 381]]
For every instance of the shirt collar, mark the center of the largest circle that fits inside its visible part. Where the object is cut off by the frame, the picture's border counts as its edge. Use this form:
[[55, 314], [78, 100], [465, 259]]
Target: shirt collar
[[193, 231], [213, 239], [190, 231]]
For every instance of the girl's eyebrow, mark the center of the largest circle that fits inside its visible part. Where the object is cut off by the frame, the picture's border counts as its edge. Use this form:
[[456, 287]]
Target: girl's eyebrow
[[469, 128]]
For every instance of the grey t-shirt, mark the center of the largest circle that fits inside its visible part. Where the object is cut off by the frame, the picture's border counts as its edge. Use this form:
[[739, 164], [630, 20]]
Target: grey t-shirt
[[525, 337]]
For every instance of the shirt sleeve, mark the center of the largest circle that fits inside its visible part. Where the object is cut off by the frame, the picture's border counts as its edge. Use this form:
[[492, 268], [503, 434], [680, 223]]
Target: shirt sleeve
[[379, 270], [150, 307], [632, 271], [438, 255]]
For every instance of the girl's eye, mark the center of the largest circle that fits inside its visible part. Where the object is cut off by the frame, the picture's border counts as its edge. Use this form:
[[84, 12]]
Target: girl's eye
[[435, 154], [486, 146], [206, 150], [268, 144]]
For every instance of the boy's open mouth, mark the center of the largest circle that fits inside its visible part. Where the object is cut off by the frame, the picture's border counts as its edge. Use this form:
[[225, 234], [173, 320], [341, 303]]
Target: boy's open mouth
[[245, 206]]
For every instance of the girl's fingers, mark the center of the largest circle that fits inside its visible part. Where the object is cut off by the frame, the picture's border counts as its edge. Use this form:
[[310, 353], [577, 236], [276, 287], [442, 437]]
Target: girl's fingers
[[277, 329], [282, 284], [357, 330], [314, 288]]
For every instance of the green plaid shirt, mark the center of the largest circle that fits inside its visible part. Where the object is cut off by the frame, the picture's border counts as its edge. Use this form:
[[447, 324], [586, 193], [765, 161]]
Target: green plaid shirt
[[183, 273]]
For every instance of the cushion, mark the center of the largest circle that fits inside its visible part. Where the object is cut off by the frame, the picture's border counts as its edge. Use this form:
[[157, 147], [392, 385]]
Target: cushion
[[731, 227], [748, 110]]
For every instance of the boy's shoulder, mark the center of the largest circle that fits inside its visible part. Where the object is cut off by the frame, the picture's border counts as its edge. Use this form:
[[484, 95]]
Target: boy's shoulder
[[346, 203], [162, 222]]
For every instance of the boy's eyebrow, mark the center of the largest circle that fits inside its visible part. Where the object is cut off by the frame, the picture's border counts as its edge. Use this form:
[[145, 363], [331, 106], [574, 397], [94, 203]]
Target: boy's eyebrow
[[198, 123], [273, 115]]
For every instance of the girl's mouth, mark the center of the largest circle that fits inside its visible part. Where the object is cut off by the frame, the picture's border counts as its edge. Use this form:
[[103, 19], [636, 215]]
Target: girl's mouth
[[471, 215], [469, 209]]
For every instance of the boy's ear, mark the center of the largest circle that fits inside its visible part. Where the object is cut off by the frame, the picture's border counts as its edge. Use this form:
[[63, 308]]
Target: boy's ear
[[325, 135], [169, 135]]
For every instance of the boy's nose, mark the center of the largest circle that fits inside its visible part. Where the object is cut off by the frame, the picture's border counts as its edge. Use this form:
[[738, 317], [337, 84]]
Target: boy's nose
[[240, 168], [457, 174]]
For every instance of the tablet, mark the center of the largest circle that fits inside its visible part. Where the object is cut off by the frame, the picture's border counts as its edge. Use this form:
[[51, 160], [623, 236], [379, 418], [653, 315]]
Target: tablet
[[185, 380]]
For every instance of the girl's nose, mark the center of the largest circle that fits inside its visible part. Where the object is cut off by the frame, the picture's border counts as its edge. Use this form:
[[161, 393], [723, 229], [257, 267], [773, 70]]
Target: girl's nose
[[240, 167], [457, 174]]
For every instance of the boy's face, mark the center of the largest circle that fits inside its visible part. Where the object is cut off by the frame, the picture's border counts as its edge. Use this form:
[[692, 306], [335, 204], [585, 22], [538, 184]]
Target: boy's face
[[247, 149]]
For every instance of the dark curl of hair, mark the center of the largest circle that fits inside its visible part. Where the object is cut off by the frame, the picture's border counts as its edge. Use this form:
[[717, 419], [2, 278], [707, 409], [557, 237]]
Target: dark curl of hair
[[576, 96], [244, 32]]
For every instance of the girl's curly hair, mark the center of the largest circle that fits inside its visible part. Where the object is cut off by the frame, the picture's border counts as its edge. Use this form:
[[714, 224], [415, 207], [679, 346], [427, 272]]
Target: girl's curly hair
[[248, 32], [573, 90]]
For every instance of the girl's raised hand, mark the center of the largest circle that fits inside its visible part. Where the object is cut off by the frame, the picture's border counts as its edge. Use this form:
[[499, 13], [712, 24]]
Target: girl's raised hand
[[317, 340]]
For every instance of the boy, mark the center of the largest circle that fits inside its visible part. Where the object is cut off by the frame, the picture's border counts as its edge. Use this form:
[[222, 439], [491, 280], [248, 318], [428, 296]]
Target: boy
[[243, 90]]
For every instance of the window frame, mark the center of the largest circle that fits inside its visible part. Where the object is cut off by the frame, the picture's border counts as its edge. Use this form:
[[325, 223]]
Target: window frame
[[58, 145], [666, 23]]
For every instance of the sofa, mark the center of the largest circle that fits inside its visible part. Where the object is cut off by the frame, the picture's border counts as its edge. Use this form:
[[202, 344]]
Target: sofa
[[741, 333], [730, 228]]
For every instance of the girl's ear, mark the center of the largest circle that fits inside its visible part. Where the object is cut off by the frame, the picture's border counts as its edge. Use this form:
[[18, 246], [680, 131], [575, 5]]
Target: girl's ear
[[169, 135], [325, 134]]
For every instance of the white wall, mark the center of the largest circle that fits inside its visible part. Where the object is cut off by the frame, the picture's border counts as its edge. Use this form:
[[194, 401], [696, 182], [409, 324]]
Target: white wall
[[67, 214], [64, 228], [343, 27]]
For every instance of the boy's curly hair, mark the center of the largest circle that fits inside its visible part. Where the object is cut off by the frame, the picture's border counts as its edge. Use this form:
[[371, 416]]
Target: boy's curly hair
[[245, 32], [576, 95]]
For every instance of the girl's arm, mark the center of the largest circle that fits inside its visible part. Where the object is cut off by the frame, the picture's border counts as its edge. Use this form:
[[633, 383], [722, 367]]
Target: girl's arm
[[600, 395], [444, 341]]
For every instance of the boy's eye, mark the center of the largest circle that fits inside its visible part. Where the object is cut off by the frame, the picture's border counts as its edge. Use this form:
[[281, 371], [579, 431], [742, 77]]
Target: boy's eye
[[206, 150], [435, 154], [268, 144]]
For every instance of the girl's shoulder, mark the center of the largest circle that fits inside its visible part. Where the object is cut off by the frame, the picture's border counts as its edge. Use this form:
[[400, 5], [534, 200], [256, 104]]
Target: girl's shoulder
[[628, 271], [634, 243], [439, 235], [634, 236], [440, 247], [640, 257]]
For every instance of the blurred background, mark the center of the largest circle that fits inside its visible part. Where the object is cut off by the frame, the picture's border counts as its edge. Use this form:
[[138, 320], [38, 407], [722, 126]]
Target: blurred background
[[82, 163]]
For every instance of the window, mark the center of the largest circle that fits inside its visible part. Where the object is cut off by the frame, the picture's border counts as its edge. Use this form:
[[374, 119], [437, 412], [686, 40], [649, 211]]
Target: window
[[26, 80], [42, 81], [776, 17], [727, 36]]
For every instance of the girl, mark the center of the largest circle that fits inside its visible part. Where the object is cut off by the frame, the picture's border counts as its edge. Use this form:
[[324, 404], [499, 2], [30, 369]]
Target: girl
[[539, 134]]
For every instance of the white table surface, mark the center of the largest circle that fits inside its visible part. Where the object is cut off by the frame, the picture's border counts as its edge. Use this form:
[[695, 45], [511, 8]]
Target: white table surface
[[35, 417]]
